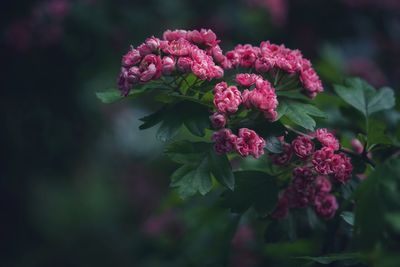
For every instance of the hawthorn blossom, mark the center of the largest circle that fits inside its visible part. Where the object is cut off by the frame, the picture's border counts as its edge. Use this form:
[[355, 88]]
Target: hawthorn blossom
[[263, 98], [225, 141], [226, 98], [326, 205], [218, 120], [249, 143], [327, 139], [303, 147]]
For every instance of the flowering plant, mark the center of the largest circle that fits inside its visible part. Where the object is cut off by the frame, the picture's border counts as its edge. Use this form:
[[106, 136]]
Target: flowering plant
[[245, 119]]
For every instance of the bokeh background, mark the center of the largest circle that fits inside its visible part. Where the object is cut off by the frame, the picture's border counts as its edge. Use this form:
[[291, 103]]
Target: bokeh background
[[80, 185]]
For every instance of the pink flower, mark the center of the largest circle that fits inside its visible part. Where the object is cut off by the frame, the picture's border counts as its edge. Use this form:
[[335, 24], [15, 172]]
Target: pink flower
[[203, 65], [168, 65], [282, 208], [174, 35], [263, 64], [341, 167], [203, 37], [303, 147], [224, 140], [150, 68], [248, 55], [303, 192], [218, 120], [144, 50], [263, 98], [311, 82], [322, 184], [180, 47], [233, 59], [249, 143], [184, 64], [153, 43], [284, 157], [357, 146], [325, 205], [246, 79], [217, 54], [322, 160], [304, 173], [131, 58], [226, 99], [327, 139]]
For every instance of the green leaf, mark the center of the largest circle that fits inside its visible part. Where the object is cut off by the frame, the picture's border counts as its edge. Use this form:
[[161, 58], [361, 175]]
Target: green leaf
[[191, 179], [109, 96], [186, 152], [375, 195], [152, 119], [328, 259], [300, 113], [199, 163], [114, 95], [348, 217], [376, 133], [273, 145], [362, 96], [253, 188], [292, 95], [221, 169], [172, 116]]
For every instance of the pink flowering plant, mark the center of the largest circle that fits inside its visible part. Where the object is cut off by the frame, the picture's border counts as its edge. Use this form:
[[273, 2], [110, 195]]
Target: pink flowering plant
[[244, 120]]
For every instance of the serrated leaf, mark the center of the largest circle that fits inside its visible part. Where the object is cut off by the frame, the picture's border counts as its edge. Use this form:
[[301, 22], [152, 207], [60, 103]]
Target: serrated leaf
[[192, 179], [186, 152], [221, 169], [172, 116], [362, 96], [152, 119], [253, 188], [300, 113]]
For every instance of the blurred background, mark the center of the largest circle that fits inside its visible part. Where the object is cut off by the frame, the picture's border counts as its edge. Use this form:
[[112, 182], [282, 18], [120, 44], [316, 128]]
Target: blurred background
[[80, 185]]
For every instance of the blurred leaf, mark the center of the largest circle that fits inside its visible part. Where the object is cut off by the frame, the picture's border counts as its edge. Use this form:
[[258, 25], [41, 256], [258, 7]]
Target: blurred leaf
[[348, 217], [109, 96], [376, 133], [328, 259], [364, 97], [374, 196], [273, 145], [114, 95], [393, 219], [253, 188], [300, 113]]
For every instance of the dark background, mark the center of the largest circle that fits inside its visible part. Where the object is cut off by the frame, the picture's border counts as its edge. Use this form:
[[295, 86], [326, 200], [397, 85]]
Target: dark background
[[79, 184]]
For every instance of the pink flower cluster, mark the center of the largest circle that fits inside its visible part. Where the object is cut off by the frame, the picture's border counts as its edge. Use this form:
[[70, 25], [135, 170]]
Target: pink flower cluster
[[318, 163], [181, 51], [227, 100], [246, 143], [306, 189], [268, 57]]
